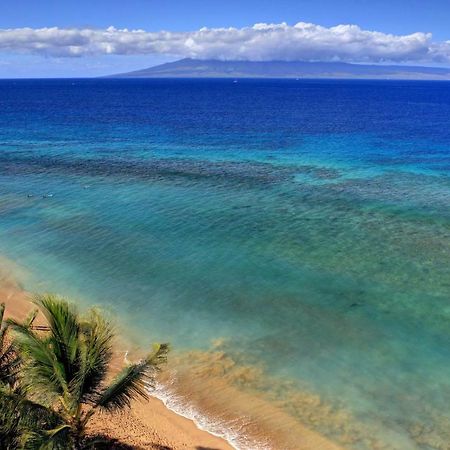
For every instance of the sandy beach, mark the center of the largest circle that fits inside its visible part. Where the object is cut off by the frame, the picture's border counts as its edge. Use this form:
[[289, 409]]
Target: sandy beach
[[148, 425], [151, 425]]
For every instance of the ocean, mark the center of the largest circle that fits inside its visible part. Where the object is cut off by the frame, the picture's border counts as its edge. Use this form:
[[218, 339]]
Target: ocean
[[289, 238]]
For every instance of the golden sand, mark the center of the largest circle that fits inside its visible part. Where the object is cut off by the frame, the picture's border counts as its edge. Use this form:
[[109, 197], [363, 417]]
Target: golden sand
[[151, 425], [148, 425]]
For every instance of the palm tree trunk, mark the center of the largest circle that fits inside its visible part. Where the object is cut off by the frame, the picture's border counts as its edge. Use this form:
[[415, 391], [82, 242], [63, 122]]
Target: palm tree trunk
[[77, 434]]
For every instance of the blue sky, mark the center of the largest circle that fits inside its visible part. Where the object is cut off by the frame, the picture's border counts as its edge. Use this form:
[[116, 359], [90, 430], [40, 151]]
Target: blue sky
[[402, 27]]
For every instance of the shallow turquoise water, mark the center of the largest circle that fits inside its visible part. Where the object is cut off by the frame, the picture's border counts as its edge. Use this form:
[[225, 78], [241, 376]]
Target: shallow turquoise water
[[311, 235]]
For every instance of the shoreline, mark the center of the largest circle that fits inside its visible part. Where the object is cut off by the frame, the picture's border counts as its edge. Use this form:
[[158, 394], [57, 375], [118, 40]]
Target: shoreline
[[181, 413], [148, 425]]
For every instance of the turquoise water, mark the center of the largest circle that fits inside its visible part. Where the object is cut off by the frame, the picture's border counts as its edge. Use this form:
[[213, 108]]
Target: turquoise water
[[305, 225]]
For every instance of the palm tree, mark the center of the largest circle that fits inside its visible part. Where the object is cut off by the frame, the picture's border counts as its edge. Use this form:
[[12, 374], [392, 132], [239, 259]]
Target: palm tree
[[18, 415], [66, 369]]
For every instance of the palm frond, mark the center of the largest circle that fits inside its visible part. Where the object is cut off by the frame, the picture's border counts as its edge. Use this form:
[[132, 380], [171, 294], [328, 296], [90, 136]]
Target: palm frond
[[45, 371], [21, 419], [64, 366], [10, 363], [10, 427], [64, 331], [56, 439], [133, 381], [95, 356]]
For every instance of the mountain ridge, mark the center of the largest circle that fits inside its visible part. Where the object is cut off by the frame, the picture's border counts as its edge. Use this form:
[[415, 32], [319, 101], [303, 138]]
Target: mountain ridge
[[194, 68]]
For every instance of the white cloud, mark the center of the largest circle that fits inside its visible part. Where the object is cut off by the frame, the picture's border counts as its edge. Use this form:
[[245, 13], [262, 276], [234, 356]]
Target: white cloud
[[302, 41]]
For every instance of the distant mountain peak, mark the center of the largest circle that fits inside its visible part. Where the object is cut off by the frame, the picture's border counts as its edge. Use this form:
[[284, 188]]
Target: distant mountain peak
[[196, 68]]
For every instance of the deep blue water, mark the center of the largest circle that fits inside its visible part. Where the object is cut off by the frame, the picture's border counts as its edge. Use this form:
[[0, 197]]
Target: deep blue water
[[305, 224]]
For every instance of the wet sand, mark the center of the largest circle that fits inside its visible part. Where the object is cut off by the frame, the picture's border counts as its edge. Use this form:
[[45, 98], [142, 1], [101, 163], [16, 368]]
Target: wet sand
[[151, 425]]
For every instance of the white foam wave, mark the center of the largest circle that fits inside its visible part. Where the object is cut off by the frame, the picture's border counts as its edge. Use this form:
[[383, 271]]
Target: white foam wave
[[231, 431]]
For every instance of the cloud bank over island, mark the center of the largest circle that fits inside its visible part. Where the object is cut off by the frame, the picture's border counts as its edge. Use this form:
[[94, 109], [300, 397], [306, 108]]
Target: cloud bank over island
[[260, 42]]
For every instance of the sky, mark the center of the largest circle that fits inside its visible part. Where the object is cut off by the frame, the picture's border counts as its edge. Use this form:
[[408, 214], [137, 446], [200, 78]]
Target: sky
[[68, 38]]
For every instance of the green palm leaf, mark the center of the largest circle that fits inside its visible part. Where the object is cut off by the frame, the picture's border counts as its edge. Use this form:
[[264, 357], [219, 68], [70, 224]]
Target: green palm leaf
[[22, 421], [64, 366], [64, 331], [95, 356], [133, 381], [45, 372]]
